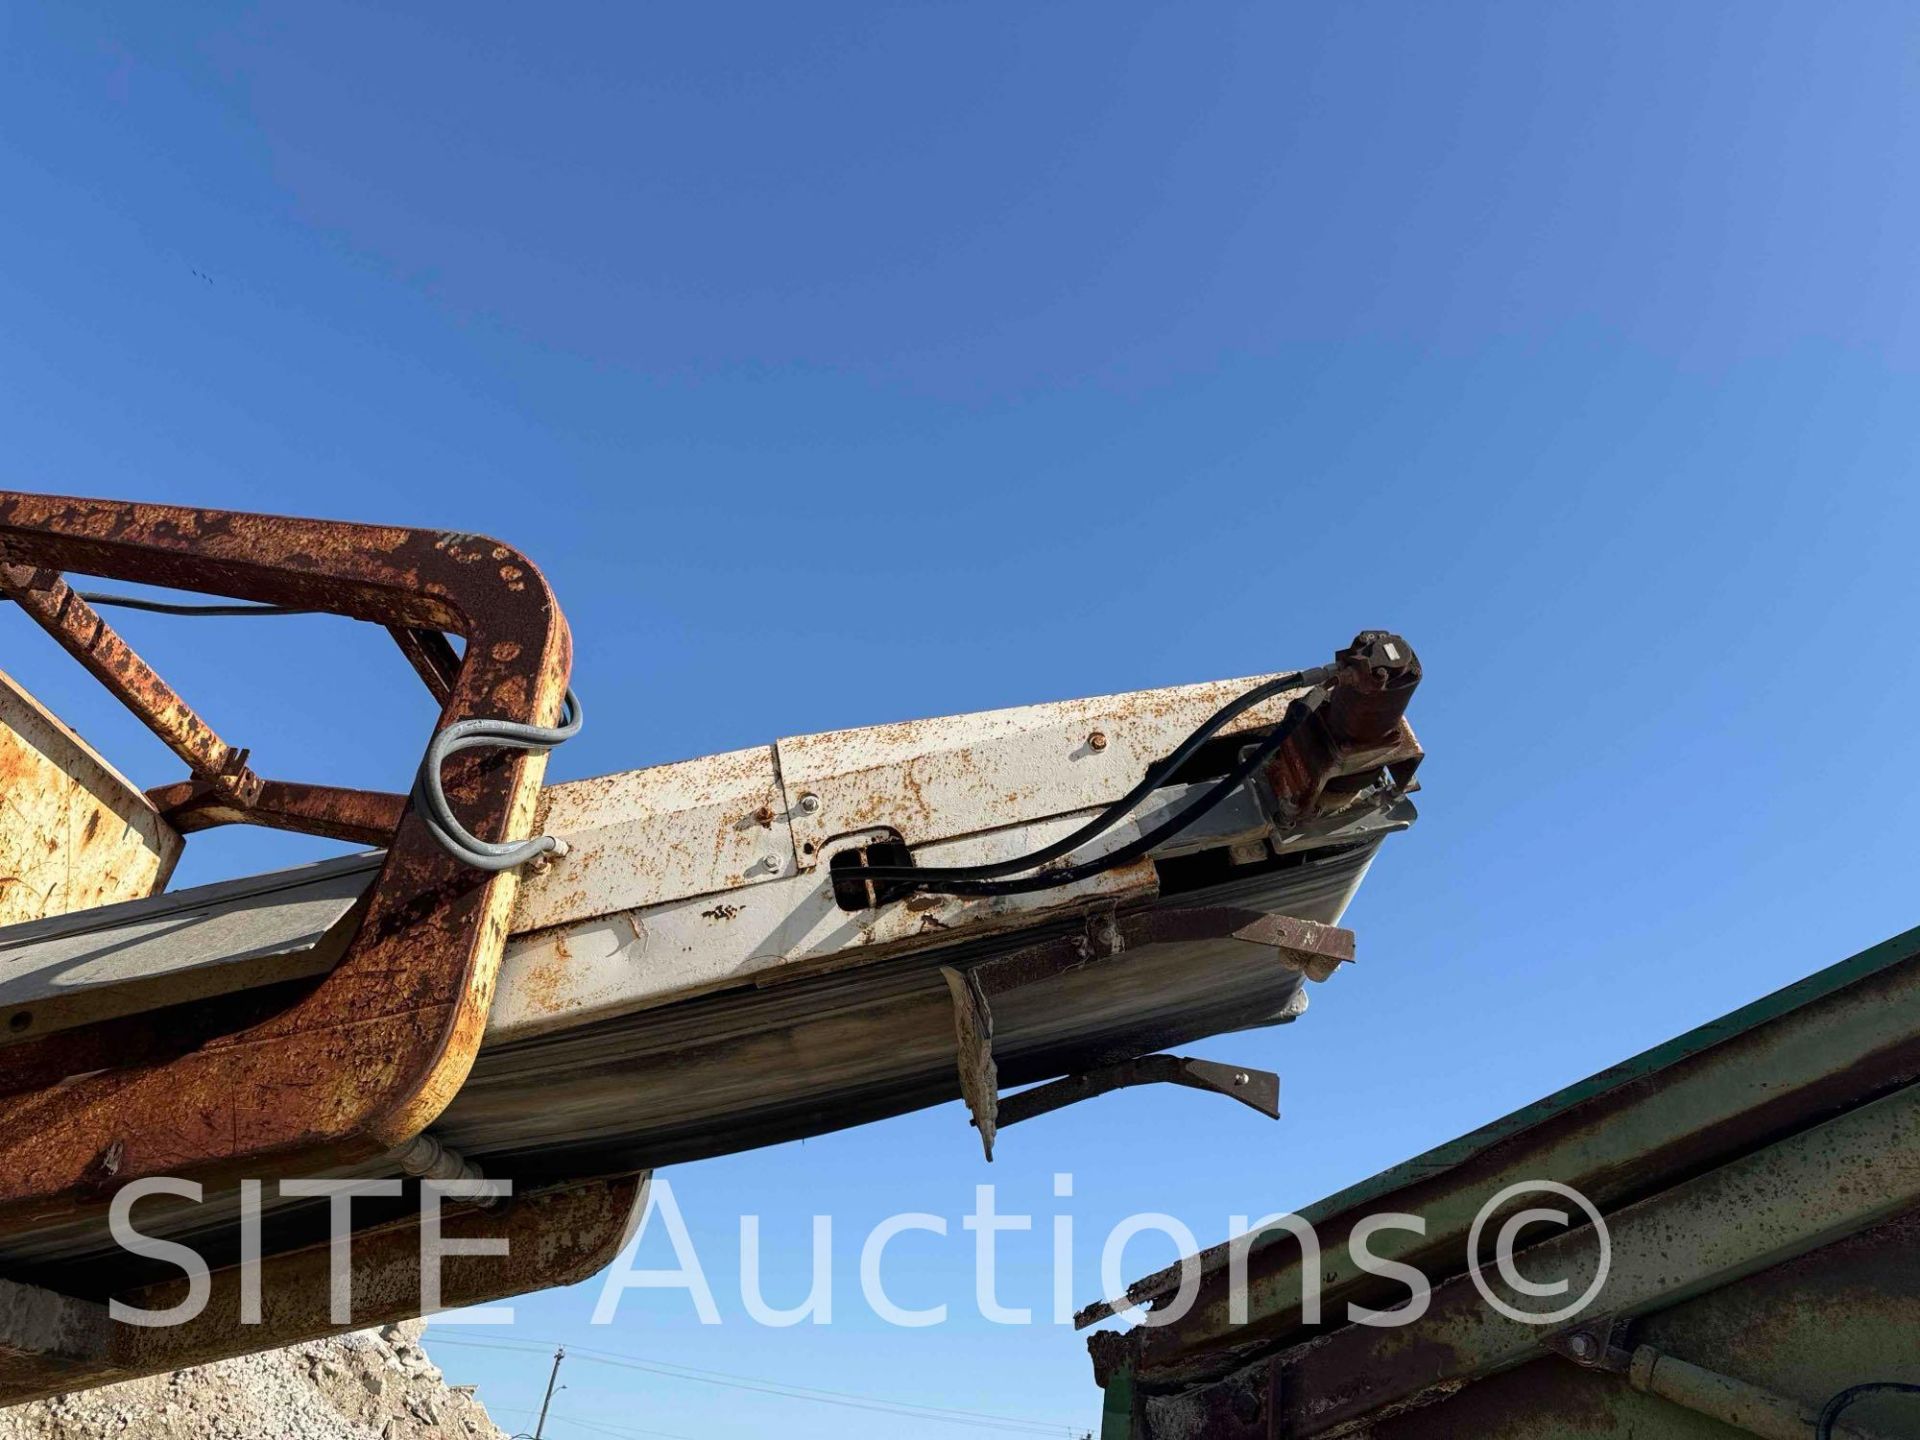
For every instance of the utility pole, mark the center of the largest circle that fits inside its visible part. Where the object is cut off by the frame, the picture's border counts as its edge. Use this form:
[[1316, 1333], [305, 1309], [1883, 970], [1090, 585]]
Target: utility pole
[[540, 1427]]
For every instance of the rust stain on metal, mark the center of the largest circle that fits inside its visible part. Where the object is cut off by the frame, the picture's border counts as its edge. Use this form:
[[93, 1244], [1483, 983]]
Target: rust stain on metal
[[552, 1237], [368, 1055], [44, 595], [545, 984], [1694, 1112], [1337, 755], [76, 832], [363, 817], [1316, 950], [973, 1050], [929, 780], [699, 827]]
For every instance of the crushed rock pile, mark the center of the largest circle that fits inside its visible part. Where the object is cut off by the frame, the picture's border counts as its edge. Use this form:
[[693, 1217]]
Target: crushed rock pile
[[373, 1385]]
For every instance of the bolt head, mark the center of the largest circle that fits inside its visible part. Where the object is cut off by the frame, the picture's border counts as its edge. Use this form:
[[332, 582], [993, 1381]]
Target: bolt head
[[809, 804], [1583, 1346], [1097, 740]]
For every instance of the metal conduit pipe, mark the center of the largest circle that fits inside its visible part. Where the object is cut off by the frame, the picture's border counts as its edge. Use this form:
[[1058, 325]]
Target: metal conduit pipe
[[1730, 1401], [426, 1158]]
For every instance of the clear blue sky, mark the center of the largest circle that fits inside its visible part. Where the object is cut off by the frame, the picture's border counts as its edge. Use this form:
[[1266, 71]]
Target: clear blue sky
[[847, 363]]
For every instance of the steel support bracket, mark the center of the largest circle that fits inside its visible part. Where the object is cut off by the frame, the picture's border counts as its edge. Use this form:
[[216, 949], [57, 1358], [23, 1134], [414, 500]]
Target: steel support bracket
[[1257, 1089], [1305, 946], [1600, 1344]]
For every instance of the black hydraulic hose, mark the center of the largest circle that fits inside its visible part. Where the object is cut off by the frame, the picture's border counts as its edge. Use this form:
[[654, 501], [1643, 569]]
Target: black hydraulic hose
[[928, 876], [177, 607], [1830, 1412], [1297, 714]]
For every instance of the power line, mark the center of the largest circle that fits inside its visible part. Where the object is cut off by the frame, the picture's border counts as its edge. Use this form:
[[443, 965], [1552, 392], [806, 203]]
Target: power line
[[622, 1430], [972, 1419], [720, 1377], [599, 1425], [969, 1419]]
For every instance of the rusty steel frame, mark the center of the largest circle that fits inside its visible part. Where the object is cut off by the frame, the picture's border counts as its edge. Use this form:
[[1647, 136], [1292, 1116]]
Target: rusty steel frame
[[431, 655], [44, 596], [552, 1237], [364, 1059], [361, 817], [225, 790]]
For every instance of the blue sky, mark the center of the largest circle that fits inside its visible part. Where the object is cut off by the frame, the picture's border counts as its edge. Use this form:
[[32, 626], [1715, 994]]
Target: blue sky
[[842, 364]]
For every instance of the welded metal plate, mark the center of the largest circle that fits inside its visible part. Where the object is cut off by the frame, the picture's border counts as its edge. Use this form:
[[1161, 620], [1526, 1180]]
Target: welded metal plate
[[76, 833], [662, 833], [191, 945]]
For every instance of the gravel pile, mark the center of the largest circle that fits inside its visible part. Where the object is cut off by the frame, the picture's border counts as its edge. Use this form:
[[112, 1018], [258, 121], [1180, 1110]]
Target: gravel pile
[[374, 1385]]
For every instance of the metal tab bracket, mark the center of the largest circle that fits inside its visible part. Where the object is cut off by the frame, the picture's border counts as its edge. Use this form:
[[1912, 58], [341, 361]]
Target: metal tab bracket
[[1257, 1089], [1312, 949]]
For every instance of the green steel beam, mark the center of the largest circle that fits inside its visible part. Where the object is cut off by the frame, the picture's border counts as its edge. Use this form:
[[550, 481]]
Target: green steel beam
[[1770, 1206], [1116, 1407], [1839, 1037]]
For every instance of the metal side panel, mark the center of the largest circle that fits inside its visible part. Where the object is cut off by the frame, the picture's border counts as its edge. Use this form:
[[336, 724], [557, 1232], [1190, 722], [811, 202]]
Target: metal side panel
[[934, 779], [666, 832], [756, 1064], [191, 945], [75, 833], [574, 974]]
